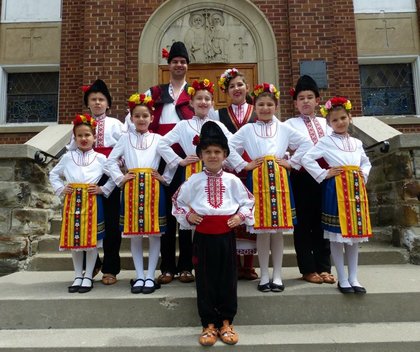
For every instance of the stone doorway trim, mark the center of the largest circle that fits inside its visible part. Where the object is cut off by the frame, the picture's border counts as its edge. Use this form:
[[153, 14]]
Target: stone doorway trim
[[171, 10]]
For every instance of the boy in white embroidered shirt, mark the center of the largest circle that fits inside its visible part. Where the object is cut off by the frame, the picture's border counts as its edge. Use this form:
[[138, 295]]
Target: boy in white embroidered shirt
[[213, 203]]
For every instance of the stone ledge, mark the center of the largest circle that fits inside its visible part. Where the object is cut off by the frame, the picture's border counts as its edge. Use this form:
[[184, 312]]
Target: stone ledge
[[17, 151]]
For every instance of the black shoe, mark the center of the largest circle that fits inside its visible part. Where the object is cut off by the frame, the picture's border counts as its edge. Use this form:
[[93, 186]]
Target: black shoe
[[136, 289], [359, 289], [276, 288], [85, 289], [147, 290], [75, 288], [264, 288], [345, 289]]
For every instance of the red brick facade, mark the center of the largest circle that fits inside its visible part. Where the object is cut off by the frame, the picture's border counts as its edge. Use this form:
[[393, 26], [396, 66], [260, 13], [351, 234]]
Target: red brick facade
[[101, 39]]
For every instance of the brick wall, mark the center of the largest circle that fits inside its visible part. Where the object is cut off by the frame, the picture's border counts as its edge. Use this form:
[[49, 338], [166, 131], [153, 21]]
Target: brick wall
[[90, 49], [407, 128], [100, 41], [15, 138]]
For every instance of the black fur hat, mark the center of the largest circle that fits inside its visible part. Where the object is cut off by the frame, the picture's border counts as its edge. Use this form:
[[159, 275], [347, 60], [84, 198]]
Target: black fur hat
[[212, 134], [306, 82], [178, 49], [98, 86]]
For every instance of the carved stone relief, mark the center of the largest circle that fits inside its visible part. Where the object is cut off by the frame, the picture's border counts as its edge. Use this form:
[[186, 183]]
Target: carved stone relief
[[212, 36]]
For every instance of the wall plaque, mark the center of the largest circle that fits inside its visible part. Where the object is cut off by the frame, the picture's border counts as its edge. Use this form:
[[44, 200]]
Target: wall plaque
[[317, 69]]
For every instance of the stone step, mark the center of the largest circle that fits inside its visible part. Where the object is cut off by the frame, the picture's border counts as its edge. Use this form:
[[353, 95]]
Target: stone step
[[39, 300], [371, 253], [50, 243], [363, 337]]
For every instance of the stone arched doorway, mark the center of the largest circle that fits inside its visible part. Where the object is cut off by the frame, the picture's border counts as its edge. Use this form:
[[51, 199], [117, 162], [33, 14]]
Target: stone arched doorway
[[254, 44]]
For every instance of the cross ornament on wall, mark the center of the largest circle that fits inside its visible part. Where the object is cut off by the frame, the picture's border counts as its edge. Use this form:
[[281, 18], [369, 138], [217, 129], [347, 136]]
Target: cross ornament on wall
[[31, 38], [385, 28]]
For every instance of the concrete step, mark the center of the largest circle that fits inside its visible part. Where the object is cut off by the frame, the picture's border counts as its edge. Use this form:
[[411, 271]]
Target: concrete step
[[39, 300], [371, 253], [363, 337], [50, 243]]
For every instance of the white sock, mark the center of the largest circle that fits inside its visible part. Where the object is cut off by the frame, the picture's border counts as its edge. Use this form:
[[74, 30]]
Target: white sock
[[277, 246], [77, 257], [137, 253], [337, 253], [154, 250], [263, 248], [91, 256], [352, 256]]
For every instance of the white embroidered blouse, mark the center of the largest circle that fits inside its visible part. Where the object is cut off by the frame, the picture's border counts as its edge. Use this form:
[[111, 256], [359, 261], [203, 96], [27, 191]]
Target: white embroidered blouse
[[80, 167], [213, 194], [337, 150]]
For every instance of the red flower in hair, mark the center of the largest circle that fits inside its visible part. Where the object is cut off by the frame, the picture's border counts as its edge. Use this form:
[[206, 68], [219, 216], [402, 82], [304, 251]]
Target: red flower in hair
[[292, 92], [336, 101], [165, 53], [196, 140], [85, 88]]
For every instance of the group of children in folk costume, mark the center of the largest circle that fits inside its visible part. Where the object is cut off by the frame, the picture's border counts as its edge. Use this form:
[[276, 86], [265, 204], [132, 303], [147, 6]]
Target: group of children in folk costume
[[213, 201]]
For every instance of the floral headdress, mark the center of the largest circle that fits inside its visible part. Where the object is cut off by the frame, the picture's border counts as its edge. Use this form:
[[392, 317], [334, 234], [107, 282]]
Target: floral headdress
[[225, 78], [334, 102], [141, 99], [265, 87], [84, 120], [204, 84]]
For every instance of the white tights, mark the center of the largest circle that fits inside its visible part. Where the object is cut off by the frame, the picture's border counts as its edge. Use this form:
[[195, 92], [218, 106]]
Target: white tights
[[265, 243], [77, 257], [137, 253], [352, 254]]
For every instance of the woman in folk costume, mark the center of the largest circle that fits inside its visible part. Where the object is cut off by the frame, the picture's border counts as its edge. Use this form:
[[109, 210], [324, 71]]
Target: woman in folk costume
[[143, 199], [214, 202], [345, 209], [266, 142], [312, 250], [82, 227], [236, 115]]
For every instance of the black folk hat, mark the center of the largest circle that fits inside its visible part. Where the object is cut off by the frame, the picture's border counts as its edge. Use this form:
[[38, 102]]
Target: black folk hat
[[178, 49], [306, 82], [212, 134], [98, 86]]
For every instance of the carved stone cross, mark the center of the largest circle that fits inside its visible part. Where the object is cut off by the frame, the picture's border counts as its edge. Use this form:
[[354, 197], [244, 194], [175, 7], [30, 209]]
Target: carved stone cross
[[385, 28], [31, 37], [241, 45]]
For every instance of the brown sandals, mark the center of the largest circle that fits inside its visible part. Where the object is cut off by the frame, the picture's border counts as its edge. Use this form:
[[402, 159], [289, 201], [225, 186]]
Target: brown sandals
[[327, 278], [209, 336], [227, 334], [109, 279], [313, 278]]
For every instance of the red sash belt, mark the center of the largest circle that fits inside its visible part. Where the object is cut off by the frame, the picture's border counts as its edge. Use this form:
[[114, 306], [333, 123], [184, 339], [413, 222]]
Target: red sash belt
[[103, 150], [214, 224]]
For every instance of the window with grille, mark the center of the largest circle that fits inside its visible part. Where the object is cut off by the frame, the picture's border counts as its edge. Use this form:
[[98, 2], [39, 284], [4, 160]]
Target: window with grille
[[32, 97], [387, 89]]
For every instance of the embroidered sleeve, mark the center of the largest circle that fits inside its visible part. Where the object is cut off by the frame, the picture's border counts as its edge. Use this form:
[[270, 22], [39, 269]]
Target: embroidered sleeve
[[164, 146], [246, 202], [180, 207], [56, 175]]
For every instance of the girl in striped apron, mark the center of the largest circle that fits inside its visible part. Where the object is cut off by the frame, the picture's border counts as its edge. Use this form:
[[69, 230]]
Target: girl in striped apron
[[82, 227], [266, 142], [345, 209], [142, 205]]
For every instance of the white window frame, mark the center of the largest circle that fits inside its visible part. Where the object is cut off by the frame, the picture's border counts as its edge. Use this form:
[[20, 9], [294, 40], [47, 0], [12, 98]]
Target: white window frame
[[415, 64], [4, 71], [52, 11], [384, 6]]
